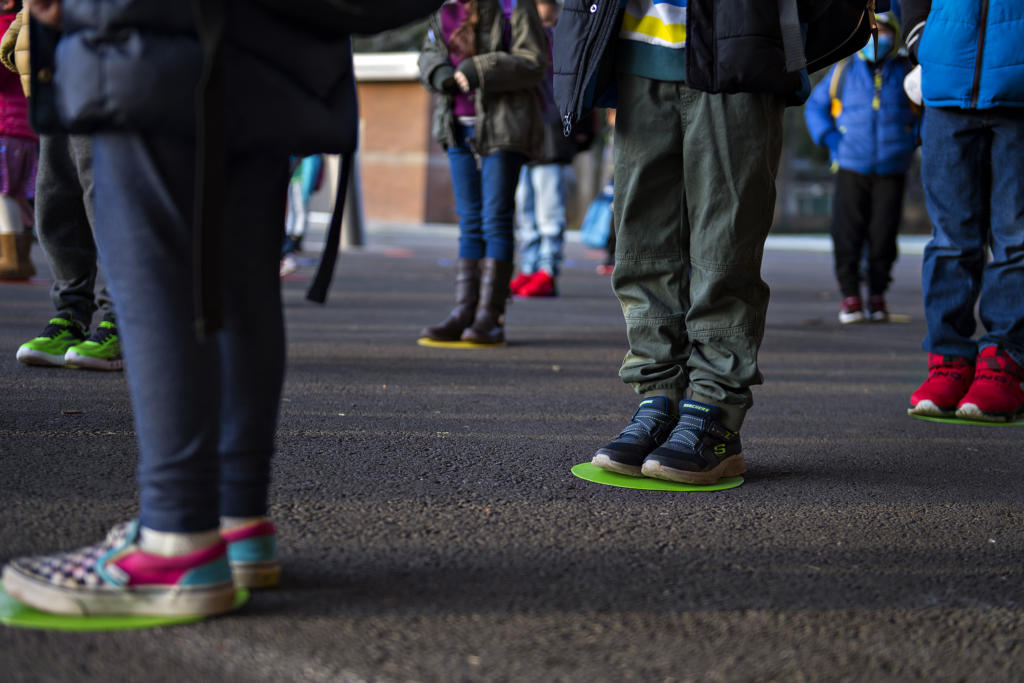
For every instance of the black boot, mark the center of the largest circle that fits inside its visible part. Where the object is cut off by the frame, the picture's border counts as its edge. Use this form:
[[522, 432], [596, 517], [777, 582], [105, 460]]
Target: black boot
[[489, 324], [467, 295]]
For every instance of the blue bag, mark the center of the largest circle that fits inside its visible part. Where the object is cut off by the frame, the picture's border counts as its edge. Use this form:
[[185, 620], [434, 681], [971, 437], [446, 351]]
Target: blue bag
[[597, 222]]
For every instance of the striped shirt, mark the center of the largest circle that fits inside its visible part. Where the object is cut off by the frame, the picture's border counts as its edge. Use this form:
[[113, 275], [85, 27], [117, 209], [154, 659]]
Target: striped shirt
[[652, 39]]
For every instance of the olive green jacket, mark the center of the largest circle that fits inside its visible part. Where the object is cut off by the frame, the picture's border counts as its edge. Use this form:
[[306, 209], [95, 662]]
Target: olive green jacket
[[511, 60]]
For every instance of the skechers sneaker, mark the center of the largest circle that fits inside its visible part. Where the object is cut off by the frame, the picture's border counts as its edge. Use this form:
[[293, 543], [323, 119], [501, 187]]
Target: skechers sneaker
[[101, 351], [650, 426], [878, 312], [997, 391], [699, 450], [252, 553], [49, 348], [115, 577], [851, 310], [949, 377]]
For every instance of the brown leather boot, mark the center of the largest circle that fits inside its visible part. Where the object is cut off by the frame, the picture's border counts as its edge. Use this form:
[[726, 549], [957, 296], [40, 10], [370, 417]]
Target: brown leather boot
[[467, 294], [489, 323], [15, 256]]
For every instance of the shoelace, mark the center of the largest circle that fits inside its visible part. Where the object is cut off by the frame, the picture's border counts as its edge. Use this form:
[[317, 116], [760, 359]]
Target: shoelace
[[53, 329], [642, 425], [103, 333], [687, 432]]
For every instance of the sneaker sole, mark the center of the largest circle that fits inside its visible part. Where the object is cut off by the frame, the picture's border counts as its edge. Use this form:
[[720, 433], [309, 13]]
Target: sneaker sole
[[850, 318], [733, 466], [606, 463], [970, 411], [172, 601], [256, 574], [32, 357], [928, 408], [77, 360]]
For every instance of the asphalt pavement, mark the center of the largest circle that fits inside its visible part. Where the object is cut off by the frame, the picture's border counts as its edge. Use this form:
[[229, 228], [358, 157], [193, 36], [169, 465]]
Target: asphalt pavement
[[431, 530]]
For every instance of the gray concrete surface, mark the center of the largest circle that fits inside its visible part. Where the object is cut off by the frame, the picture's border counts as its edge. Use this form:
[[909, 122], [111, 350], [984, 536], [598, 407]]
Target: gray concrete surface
[[431, 530]]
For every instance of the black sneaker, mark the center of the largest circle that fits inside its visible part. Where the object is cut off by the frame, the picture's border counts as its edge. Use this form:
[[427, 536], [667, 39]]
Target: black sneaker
[[699, 450], [651, 424]]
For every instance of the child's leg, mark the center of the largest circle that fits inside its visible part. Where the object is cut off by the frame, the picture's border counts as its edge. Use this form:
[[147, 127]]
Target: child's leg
[[184, 392], [1000, 307], [526, 221], [850, 217], [64, 222], [731, 155], [549, 189], [466, 188], [956, 169], [651, 223], [883, 229]]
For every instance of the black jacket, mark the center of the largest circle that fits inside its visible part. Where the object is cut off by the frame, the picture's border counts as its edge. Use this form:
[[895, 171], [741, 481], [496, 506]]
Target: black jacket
[[731, 46]]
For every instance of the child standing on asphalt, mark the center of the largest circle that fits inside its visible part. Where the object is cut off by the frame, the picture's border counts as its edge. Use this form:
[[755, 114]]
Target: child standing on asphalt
[[64, 220], [698, 135], [484, 58], [861, 113]]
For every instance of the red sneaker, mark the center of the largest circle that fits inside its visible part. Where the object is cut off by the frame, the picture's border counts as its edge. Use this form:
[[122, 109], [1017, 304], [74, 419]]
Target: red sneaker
[[541, 284], [949, 377], [518, 281], [997, 392], [851, 310]]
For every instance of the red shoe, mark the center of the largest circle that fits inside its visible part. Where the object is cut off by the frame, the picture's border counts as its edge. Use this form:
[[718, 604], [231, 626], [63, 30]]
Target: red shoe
[[997, 392], [949, 377], [541, 284], [851, 310], [518, 281], [878, 312], [605, 269]]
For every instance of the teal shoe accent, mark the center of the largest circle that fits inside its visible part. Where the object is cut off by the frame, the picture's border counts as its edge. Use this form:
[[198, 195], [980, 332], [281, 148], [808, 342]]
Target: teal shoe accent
[[256, 549], [218, 571]]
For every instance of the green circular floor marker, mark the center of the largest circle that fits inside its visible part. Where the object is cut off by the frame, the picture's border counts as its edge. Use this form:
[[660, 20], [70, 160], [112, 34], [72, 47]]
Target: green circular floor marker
[[14, 613], [958, 421], [595, 474]]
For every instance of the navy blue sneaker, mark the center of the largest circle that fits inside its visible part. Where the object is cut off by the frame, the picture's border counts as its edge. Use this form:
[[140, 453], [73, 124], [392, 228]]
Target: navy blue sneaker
[[651, 424], [699, 450]]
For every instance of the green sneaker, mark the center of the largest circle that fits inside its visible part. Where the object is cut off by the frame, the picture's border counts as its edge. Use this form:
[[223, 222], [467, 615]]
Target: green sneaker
[[59, 335], [101, 351]]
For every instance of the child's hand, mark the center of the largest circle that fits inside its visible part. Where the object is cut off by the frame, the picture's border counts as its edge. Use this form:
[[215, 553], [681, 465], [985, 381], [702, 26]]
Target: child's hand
[[462, 81]]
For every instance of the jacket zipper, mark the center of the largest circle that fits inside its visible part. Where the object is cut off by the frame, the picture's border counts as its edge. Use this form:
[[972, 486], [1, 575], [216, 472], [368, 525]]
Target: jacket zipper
[[600, 38], [976, 85]]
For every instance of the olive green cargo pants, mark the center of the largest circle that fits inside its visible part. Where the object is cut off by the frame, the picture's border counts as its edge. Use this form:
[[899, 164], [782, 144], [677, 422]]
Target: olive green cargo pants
[[694, 199]]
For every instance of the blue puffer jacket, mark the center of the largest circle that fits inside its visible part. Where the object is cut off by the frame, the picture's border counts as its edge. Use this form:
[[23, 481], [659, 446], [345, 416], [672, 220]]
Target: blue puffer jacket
[[972, 54], [864, 138]]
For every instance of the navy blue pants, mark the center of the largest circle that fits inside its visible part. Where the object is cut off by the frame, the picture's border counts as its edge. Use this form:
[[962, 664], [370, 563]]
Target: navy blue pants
[[205, 412], [973, 173]]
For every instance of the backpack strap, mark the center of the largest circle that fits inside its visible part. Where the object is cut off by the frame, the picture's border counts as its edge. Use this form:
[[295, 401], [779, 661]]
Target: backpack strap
[[792, 36], [318, 290], [835, 86]]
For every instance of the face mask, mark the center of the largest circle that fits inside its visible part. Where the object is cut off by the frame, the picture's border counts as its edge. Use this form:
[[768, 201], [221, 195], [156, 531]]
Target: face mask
[[885, 45]]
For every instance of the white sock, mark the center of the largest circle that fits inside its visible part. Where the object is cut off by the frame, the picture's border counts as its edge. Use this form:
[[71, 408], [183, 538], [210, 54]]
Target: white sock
[[234, 522], [169, 543]]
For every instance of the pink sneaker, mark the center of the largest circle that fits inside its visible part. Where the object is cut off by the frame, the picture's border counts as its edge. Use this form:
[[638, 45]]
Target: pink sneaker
[[948, 380], [252, 553], [997, 391], [115, 577]]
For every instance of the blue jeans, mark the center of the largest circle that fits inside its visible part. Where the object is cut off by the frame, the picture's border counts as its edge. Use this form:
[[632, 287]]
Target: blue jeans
[[205, 412], [540, 215], [484, 198], [973, 174]]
